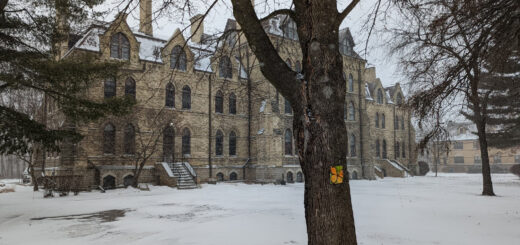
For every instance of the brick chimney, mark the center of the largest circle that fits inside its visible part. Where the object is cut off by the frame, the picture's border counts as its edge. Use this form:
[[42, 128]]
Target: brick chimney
[[145, 17], [197, 28], [61, 41]]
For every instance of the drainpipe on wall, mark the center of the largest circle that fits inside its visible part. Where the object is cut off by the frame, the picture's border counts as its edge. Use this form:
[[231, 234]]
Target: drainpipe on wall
[[209, 128], [361, 149], [249, 113], [395, 131]]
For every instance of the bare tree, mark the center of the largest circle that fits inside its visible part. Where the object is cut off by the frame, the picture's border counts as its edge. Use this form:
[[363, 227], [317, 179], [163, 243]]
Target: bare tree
[[444, 45]]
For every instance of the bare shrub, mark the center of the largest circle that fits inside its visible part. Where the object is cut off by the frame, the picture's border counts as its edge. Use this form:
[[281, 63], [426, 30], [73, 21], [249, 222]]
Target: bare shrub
[[515, 169], [423, 168]]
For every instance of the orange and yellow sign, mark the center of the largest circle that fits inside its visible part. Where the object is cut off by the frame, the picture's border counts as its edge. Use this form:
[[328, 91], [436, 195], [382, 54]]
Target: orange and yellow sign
[[336, 174]]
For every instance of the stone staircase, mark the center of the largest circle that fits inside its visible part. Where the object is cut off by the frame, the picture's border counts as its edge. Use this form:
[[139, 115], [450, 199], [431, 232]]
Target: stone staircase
[[185, 178]]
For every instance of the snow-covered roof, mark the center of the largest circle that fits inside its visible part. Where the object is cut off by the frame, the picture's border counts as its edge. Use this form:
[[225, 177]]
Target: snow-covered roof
[[388, 97], [368, 95], [202, 60], [90, 41], [150, 48]]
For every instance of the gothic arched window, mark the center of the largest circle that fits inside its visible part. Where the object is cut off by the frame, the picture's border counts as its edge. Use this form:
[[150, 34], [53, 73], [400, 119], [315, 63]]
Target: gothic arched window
[[232, 144], [219, 102], [129, 140], [168, 144], [170, 96], [288, 142], [186, 97], [352, 144], [186, 141], [219, 143], [378, 148], [130, 88], [109, 139], [350, 83], [110, 88], [233, 176], [384, 150], [404, 151], [402, 123], [232, 104], [399, 99], [397, 151], [380, 96], [120, 47], [383, 121], [351, 111], [225, 67], [287, 108], [377, 120], [178, 58]]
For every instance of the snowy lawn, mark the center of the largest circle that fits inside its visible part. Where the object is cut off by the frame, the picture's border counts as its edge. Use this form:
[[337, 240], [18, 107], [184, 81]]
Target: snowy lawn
[[418, 210]]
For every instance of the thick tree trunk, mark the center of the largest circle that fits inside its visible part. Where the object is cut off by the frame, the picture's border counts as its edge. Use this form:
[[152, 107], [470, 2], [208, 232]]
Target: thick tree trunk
[[317, 101], [487, 189]]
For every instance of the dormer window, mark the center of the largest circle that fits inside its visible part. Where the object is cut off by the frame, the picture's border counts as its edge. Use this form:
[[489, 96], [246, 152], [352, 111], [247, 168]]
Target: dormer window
[[120, 47], [380, 96], [225, 67], [399, 99], [178, 59], [344, 46]]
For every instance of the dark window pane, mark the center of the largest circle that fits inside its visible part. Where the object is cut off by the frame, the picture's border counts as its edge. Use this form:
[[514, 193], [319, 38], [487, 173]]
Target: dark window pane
[[351, 112], [225, 67], [380, 96], [233, 176], [129, 140], [219, 102], [130, 88], [170, 96], [396, 150], [110, 88], [120, 47], [186, 142], [109, 139], [186, 98], [178, 58], [232, 104], [288, 108], [288, 142], [378, 149], [219, 143], [350, 83], [168, 144], [384, 150], [232, 144], [352, 144]]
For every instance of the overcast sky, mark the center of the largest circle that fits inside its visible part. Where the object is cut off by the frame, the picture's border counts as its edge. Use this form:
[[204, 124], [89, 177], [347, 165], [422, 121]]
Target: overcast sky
[[165, 25]]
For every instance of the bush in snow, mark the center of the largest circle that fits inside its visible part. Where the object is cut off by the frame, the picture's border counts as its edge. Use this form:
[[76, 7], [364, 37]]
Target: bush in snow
[[515, 169], [423, 168]]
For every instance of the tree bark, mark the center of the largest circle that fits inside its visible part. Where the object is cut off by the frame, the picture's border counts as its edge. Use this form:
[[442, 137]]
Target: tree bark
[[317, 102], [487, 188]]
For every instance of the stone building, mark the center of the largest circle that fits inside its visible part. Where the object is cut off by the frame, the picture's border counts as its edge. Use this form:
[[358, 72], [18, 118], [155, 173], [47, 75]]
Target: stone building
[[463, 154], [220, 117]]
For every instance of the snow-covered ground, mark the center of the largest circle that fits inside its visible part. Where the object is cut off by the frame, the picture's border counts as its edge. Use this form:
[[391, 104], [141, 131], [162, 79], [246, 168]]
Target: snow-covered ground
[[418, 210]]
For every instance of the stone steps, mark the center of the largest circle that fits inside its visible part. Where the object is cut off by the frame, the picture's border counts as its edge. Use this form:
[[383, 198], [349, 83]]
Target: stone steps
[[184, 178]]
